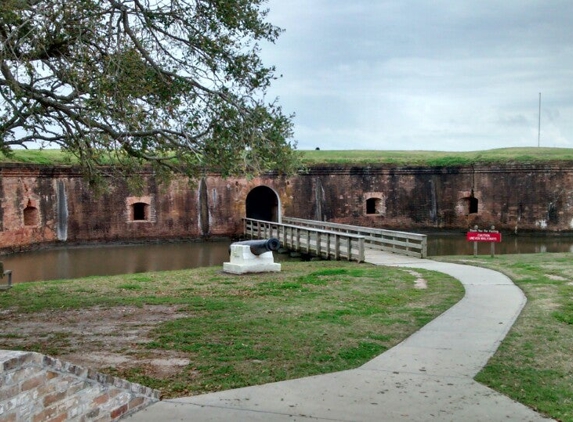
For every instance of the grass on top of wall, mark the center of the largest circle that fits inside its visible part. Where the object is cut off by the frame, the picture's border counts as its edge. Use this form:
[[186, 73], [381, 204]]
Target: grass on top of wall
[[438, 158], [360, 157], [39, 156]]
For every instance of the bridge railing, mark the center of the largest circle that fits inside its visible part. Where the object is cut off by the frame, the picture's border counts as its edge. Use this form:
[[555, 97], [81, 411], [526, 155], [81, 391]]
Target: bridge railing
[[403, 243], [313, 241]]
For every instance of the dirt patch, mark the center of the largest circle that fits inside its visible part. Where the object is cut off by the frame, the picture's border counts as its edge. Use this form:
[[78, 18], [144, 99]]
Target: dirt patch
[[420, 282], [95, 337]]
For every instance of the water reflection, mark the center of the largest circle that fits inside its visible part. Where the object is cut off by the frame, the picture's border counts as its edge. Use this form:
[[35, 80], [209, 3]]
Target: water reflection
[[62, 263], [77, 262], [457, 245]]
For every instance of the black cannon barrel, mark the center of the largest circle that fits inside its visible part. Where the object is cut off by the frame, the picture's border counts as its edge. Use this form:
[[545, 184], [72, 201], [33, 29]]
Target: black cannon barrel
[[259, 247]]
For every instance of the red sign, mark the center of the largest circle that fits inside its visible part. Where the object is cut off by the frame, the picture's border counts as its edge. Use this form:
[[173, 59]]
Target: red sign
[[483, 237]]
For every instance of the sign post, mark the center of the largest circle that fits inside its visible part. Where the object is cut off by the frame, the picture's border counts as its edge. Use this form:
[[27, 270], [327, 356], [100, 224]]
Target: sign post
[[492, 236]]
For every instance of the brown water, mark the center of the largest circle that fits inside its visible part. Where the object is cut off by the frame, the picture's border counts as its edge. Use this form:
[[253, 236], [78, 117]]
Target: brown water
[[74, 262], [458, 245], [62, 263]]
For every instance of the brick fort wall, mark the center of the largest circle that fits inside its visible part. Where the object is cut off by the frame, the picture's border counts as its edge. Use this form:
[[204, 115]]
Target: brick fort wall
[[43, 205]]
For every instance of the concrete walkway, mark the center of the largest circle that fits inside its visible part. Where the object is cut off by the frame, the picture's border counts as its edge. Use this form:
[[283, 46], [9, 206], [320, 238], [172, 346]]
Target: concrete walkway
[[429, 376]]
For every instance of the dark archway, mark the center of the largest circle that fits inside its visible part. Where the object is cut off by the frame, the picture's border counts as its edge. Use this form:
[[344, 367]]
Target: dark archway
[[263, 204]]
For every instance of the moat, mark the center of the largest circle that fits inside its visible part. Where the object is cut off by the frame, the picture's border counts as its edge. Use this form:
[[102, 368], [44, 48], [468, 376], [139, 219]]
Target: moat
[[75, 262]]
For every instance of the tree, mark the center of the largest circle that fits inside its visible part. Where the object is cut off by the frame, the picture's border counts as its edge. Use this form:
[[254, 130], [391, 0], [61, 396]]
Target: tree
[[175, 84]]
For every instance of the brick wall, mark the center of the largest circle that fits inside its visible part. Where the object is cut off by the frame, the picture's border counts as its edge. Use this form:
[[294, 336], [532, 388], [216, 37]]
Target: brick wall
[[532, 197], [43, 205], [38, 388]]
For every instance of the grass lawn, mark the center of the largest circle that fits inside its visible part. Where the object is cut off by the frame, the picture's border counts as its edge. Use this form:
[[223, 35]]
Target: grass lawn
[[232, 331], [36, 156], [311, 318], [534, 364], [438, 158], [362, 157]]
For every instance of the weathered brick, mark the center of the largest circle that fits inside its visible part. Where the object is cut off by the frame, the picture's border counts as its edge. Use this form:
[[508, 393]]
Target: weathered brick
[[33, 382], [78, 410], [47, 388], [51, 375], [18, 375], [120, 383], [53, 398], [46, 414], [75, 387], [22, 399], [345, 189], [92, 374], [104, 379], [79, 371], [10, 417], [21, 359], [116, 413], [60, 418], [11, 363], [137, 401], [67, 404], [114, 392], [7, 392], [91, 415], [51, 362], [98, 401]]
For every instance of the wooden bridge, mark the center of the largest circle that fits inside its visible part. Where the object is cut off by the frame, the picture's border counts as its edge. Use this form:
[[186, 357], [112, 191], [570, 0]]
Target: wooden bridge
[[336, 241]]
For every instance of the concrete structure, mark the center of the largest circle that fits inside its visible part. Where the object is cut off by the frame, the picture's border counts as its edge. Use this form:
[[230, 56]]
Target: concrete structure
[[53, 205], [243, 261]]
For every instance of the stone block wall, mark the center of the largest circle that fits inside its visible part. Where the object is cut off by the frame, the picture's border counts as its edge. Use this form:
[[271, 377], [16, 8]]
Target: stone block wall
[[38, 388]]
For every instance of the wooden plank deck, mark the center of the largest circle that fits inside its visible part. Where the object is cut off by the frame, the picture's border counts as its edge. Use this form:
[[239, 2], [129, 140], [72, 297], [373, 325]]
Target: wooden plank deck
[[399, 242], [323, 243], [337, 241]]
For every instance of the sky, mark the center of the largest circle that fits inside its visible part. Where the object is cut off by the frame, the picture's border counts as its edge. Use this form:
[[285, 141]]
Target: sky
[[446, 75]]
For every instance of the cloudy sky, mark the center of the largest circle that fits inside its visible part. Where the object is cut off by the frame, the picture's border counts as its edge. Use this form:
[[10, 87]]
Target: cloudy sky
[[449, 75]]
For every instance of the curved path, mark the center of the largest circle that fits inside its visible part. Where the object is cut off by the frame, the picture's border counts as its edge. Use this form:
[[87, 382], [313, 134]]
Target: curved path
[[429, 376]]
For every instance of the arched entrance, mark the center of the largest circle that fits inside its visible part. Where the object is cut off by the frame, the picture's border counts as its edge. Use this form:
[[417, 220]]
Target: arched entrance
[[263, 204]]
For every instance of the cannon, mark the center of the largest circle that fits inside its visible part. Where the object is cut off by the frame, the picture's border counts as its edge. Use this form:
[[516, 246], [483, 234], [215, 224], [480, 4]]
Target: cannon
[[259, 247], [252, 256]]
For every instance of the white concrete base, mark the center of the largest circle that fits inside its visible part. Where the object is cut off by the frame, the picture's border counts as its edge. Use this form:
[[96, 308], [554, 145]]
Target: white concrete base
[[244, 261]]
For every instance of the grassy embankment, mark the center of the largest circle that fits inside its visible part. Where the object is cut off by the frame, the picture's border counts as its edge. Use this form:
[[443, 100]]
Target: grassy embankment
[[366, 157], [534, 364], [237, 330], [439, 158], [36, 156]]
